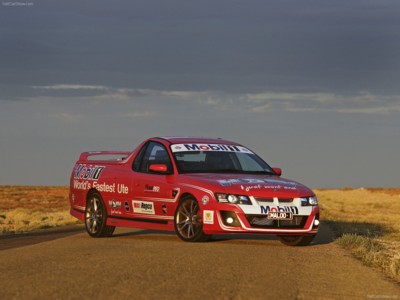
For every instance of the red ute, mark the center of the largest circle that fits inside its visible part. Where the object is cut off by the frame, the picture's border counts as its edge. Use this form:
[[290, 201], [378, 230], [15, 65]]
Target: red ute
[[193, 186]]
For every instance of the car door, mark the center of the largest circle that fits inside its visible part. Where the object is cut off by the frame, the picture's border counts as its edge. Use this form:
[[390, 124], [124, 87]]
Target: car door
[[153, 192]]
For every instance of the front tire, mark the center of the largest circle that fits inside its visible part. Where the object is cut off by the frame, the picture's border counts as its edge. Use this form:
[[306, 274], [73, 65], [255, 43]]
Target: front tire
[[188, 221], [299, 240], [96, 217]]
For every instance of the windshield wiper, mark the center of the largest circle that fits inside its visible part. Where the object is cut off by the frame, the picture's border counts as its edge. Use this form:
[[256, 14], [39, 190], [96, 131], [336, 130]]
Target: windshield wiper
[[224, 171], [261, 172]]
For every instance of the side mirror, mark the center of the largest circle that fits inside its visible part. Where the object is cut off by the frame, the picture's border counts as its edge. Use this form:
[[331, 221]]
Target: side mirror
[[278, 171], [159, 168]]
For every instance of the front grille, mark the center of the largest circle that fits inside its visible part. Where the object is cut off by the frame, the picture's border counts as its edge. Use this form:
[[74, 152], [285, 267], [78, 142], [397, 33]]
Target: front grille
[[265, 199], [261, 221], [281, 200], [286, 200]]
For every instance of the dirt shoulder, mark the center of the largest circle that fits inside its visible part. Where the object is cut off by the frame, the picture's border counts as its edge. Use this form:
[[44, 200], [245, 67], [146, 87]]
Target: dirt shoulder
[[152, 265]]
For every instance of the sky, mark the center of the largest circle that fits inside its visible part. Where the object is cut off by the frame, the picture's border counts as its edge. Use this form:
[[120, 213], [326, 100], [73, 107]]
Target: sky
[[312, 86]]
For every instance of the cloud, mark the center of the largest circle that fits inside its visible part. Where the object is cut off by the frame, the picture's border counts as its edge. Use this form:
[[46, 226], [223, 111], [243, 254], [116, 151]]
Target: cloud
[[151, 100], [67, 117], [361, 103], [71, 87], [380, 110]]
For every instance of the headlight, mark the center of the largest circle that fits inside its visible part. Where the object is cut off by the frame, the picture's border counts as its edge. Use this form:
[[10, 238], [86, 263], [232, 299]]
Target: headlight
[[309, 201], [313, 200], [234, 199]]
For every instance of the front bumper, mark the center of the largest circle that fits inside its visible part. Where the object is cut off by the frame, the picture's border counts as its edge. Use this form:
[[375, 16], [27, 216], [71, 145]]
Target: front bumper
[[241, 222]]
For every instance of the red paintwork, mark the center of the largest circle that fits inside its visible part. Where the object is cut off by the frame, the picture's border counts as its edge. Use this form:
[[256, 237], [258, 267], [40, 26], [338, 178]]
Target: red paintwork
[[120, 186]]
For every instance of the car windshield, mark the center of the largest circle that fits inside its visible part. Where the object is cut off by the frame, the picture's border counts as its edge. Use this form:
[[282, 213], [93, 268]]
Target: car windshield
[[230, 160]]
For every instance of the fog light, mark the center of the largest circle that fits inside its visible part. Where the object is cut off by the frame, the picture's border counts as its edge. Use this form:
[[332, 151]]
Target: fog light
[[316, 222], [229, 220]]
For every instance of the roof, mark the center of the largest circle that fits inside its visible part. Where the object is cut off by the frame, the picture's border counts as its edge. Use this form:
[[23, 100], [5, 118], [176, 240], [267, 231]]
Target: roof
[[197, 140]]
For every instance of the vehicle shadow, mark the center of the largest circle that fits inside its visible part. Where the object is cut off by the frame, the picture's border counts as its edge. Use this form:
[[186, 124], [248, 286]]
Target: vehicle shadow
[[325, 236], [43, 235], [124, 232], [329, 231]]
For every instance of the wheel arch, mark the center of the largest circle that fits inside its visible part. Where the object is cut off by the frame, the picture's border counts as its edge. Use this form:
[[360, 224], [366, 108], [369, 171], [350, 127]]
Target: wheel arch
[[92, 190], [187, 194]]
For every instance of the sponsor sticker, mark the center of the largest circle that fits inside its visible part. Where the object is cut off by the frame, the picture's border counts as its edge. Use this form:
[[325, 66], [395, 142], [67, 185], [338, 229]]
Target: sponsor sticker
[[205, 200], [266, 209], [88, 172], [208, 217], [143, 207], [164, 208], [249, 184], [114, 203], [209, 147], [126, 204], [152, 188]]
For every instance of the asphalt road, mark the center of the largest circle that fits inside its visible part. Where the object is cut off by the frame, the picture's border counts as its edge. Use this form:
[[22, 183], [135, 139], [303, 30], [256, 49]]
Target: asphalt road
[[135, 264]]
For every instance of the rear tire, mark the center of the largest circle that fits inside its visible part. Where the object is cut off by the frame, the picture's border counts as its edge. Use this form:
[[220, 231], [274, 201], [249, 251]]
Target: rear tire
[[96, 217], [188, 222], [299, 240]]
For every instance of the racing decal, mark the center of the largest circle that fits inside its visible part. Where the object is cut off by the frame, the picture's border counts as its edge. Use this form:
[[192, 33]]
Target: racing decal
[[151, 188], [199, 188], [143, 207], [265, 209], [114, 203], [82, 185], [205, 200], [120, 188], [82, 171], [126, 205], [248, 184], [254, 181], [104, 187], [116, 212], [209, 147], [271, 187], [208, 217]]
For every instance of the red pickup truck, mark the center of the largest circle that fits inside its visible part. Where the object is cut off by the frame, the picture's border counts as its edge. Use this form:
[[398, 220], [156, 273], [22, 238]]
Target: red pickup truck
[[196, 187]]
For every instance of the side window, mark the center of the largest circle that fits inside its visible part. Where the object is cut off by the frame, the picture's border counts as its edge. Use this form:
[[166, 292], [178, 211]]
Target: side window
[[138, 159], [152, 153]]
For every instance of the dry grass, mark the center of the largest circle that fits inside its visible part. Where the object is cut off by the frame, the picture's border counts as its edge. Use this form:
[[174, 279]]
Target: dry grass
[[367, 223], [26, 208]]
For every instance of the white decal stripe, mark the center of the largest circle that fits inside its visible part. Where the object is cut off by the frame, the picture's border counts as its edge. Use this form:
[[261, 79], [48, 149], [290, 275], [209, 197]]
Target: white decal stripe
[[79, 207], [161, 199], [154, 199], [153, 217], [199, 188], [144, 216]]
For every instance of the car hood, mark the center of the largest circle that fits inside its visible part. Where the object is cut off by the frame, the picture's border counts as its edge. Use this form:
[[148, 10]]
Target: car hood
[[247, 184]]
